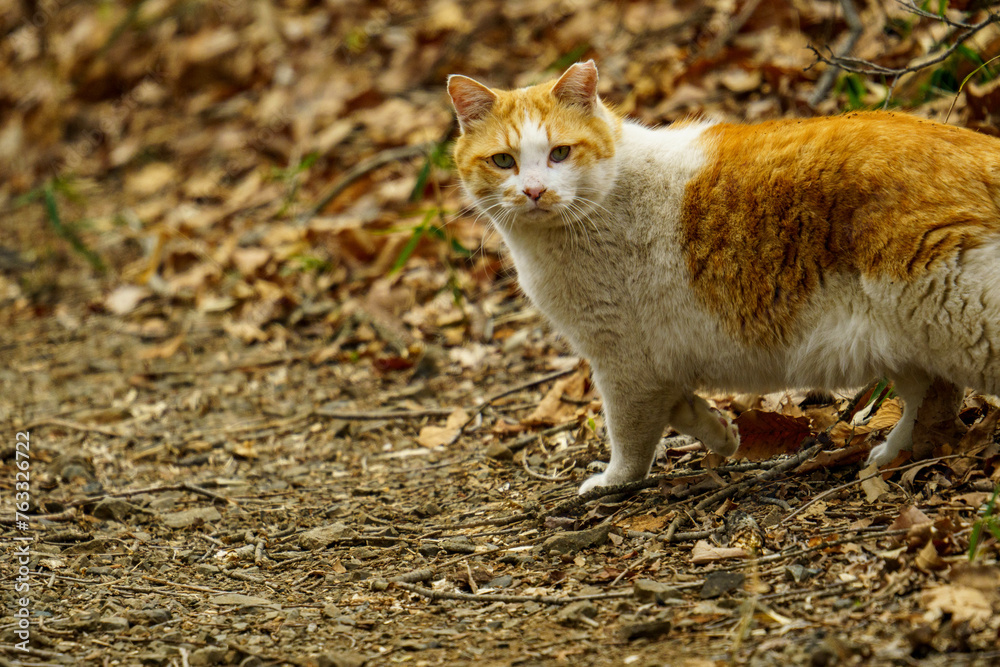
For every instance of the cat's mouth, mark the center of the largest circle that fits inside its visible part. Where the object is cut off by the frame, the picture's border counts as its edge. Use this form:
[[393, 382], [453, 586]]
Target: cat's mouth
[[535, 207]]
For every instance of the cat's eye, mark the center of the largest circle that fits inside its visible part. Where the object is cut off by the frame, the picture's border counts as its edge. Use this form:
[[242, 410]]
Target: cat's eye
[[503, 160], [559, 153]]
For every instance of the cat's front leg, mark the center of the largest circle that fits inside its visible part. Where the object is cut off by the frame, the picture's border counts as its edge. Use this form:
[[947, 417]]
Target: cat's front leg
[[912, 390], [635, 418], [692, 415]]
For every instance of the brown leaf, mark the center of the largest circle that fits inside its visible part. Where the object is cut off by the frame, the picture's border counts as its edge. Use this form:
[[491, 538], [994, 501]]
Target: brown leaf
[[848, 455], [249, 261], [552, 409], [438, 436], [164, 351], [928, 560], [980, 434], [125, 298], [983, 101], [739, 80], [874, 487], [887, 415], [937, 423], [962, 602], [705, 552], [974, 499], [985, 578], [151, 179], [210, 43], [645, 522], [503, 428], [244, 450], [907, 478], [909, 518], [817, 509], [764, 435]]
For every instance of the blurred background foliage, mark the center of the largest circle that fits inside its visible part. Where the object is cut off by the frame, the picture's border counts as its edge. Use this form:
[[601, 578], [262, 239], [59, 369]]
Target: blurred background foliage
[[279, 165]]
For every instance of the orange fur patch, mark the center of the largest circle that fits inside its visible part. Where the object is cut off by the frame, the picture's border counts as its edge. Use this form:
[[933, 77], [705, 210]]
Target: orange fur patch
[[781, 204]]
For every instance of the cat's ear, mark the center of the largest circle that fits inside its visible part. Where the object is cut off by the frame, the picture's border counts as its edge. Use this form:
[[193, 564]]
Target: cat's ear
[[472, 99], [578, 86]]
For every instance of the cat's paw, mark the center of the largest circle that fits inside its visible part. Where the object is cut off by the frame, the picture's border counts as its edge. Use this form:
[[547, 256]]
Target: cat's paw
[[899, 440], [730, 441], [593, 482], [882, 454]]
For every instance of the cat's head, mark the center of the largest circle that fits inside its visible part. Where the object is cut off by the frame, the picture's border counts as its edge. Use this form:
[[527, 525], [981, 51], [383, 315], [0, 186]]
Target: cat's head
[[537, 155]]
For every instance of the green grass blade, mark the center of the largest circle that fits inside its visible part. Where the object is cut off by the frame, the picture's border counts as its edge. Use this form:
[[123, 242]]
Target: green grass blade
[[52, 208]]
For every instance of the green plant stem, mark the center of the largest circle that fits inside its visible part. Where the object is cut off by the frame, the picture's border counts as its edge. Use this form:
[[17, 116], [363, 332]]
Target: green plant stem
[[52, 208]]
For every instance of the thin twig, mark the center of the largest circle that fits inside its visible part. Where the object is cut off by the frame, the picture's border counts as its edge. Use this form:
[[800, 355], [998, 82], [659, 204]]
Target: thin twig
[[73, 426], [376, 415], [733, 26], [672, 528], [357, 171], [687, 537], [385, 157], [188, 486], [65, 515], [526, 440], [859, 66], [654, 480], [733, 489], [632, 567], [413, 577], [877, 473], [201, 589], [502, 521], [848, 412], [829, 76], [38, 653], [538, 475], [184, 486], [941, 18], [833, 589], [513, 390], [491, 597], [795, 553], [257, 426]]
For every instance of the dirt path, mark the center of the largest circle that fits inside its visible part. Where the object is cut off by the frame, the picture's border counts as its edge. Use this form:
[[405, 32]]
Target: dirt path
[[233, 505]]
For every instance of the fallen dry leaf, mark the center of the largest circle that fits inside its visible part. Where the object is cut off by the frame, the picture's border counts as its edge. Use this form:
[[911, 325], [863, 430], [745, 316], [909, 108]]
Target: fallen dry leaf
[[553, 409], [908, 518], [249, 261], [928, 559], [887, 416], [165, 350], [874, 487], [644, 522], [937, 425], [705, 552], [764, 435], [961, 602], [125, 298], [440, 436]]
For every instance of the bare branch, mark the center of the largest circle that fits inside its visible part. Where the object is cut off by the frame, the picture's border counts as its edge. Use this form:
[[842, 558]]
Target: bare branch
[[965, 31], [856, 28], [917, 11]]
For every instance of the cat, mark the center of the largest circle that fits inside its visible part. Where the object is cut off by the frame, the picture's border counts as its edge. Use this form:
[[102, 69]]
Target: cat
[[800, 253]]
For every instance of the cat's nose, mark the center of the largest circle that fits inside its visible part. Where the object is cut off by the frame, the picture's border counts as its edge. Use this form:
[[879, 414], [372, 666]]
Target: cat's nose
[[534, 192]]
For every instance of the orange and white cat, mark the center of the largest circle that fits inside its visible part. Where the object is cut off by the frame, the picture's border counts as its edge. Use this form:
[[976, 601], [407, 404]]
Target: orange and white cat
[[818, 252]]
